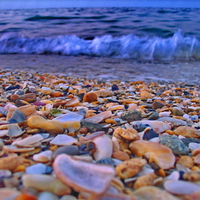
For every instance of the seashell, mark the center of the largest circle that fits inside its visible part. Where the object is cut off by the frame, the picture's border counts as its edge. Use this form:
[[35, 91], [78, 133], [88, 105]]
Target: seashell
[[9, 193], [37, 121], [181, 187], [14, 130], [130, 168], [116, 107], [17, 117], [27, 110], [151, 192], [99, 117], [63, 140], [67, 149], [175, 175], [186, 161], [133, 106], [155, 152], [90, 97], [128, 134], [104, 147], [83, 176], [9, 106], [157, 126], [44, 156], [72, 102], [197, 159], [45, 183], [145, 180], [13, 149], [68, 117], [187, 131], [192, 176], [30, 140], [11, 162], [93, 135]]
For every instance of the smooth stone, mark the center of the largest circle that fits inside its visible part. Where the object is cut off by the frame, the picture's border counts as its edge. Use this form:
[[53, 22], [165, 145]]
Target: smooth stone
[[38, 168], [37, 121], [67, 149], [181, 187], [175, 144], [47, 196], [4, 173], [45, 183], [29, 97], [63, 140], [132, 115], [187, 131], [17, 117], [92, 127], [153, 116], [157, 104], [83, 176], [177, 111], [174, 121], [154, 152], [153, 193]]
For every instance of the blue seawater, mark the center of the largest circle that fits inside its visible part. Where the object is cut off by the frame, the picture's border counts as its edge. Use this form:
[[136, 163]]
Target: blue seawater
[[135, 33]]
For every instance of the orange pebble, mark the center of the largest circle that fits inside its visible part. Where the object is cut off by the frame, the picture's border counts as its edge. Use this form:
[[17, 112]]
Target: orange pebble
[[90, 97], [195, 168], [25, 196], [110, 121], [161, 173], [20, 168], [56, 94]]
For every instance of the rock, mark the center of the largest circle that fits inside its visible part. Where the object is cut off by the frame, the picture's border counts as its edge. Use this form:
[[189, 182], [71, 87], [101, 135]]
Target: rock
[[132, 115], [175, 122], [39, 122], [177, 111], [92, 127], [187, 131], [175, 144], [67, 149], [29, 97], [154, 152], [149, 134], [157, 104], [186, 161], [181, 187], [126, 134], [45, 183], [151, 192], [90, 97], [153, 116], [83, 176], [144, 95], [130, 168]]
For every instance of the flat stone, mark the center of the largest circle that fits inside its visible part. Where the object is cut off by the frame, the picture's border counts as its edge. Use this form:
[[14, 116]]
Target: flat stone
[[175, 144], [132, 115]]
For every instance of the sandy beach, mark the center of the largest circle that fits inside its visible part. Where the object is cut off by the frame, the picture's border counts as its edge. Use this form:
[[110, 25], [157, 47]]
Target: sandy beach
[[104, 67]]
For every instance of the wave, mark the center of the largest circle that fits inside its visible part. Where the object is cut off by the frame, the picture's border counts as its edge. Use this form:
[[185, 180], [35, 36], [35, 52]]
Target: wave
[[178, 47]]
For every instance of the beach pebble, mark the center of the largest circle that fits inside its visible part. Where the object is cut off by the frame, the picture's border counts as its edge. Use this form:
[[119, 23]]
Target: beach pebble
[[187, 131], [157, 104], [175, 144], [45, 183], [154, 152], [67, 149], [38, 168], [44, 156], [132, 115], [47, 195], [84, 176]]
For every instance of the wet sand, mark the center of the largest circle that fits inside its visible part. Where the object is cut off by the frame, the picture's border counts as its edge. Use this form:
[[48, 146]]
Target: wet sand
[[104, 68]]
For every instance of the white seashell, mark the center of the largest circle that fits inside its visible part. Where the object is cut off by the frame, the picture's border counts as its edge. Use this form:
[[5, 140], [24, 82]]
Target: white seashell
[[28, 140], [181, 187], [44, 156], [193, 145], [104, 147], [14, 130], [61, 139], [69, 117], [175, 175], [156, 140], [165, 114]]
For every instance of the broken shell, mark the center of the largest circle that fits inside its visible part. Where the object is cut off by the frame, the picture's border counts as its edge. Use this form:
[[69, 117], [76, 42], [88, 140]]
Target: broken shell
[[44, 156], [63, 140], [83, 176], [155, 152], [130, 168], [14, 130], [99, 117], [104, 147], [145, 180], [45, 183]]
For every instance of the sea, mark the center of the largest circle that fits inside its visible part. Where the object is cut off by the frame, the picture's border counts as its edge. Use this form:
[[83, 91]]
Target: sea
[[141, 34]]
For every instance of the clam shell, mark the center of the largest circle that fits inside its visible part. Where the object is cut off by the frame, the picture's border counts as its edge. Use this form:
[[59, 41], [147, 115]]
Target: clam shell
[[83, 176], [63, 140]]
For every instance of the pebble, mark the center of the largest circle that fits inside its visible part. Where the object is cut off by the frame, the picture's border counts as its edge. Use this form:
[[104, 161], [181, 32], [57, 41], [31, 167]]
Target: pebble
[[132, 115], [38, 168], [175, 144]]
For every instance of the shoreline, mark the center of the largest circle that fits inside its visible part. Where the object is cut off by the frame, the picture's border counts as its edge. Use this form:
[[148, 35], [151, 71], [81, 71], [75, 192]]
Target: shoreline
[[103, 68]]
